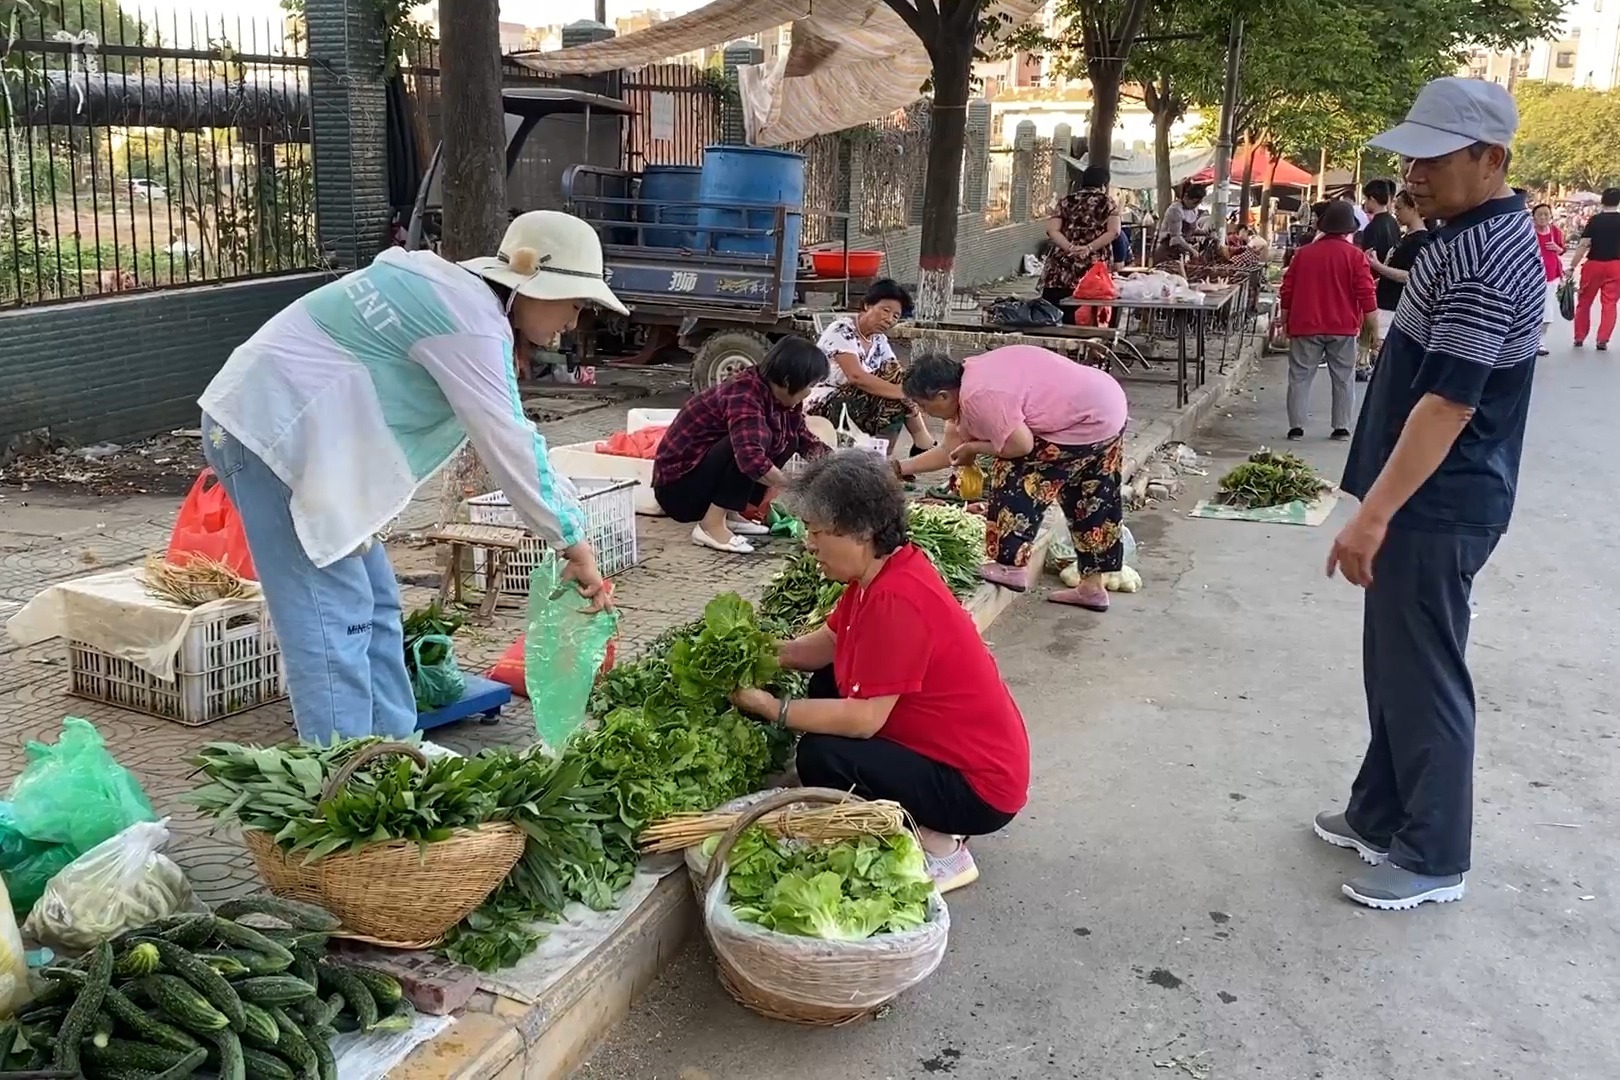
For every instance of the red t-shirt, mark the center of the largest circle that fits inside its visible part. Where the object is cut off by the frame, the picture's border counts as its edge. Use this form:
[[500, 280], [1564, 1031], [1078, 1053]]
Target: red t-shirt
[[906, 635]]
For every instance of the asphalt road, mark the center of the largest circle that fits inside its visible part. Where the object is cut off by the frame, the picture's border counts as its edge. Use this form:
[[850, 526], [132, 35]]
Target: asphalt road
[[1161, 909]]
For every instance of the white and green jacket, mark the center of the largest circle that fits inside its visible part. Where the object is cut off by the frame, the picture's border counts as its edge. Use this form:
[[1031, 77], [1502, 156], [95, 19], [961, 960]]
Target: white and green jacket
[[362, 390]]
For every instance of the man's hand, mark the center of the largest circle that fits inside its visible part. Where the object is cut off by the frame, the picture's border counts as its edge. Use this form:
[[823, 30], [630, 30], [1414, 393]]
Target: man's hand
[[582, 571], [1356, 547], [758, 703]]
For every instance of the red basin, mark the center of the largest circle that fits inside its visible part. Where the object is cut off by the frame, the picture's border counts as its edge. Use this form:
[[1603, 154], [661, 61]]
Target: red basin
[[861, 264]]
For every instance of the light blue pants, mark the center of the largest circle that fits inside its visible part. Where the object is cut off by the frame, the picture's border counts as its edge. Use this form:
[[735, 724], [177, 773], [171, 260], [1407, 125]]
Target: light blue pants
[[340, 627]]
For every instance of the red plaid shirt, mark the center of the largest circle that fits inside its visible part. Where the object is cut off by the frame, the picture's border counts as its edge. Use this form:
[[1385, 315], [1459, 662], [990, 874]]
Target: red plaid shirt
[[763, 431]]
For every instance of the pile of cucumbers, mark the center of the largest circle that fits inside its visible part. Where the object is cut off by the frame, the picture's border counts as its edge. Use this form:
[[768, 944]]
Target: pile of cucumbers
[[206, 993]]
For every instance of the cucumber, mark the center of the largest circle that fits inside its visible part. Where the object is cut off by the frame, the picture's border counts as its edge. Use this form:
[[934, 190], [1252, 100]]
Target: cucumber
[[228, 966], [303, 966], [228, 1050], [310, 941], [132, 1016], [179, 1001], [263, 1066], [123, 1054], [50, 1014], [256, 963], [186, 931], [245, 937], [101, 1031], [113, 1072], [292, 912], [274, 990], [185, 1066], [262, 1030], [140, 959], [339, 978], [76, 1024], [208, 982], [397, 1017], [384, 987], [294, 1046], [320, 1041]]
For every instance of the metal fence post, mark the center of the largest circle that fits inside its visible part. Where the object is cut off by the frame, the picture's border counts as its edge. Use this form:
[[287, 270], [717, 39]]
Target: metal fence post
[[348, 129]]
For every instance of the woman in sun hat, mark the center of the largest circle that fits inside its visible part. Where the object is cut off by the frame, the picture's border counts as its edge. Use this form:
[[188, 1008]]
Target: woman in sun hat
[[324, 423]]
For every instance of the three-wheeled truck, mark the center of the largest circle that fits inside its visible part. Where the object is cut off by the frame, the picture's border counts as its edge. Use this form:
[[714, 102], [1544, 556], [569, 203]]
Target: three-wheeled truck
[[707, 257]]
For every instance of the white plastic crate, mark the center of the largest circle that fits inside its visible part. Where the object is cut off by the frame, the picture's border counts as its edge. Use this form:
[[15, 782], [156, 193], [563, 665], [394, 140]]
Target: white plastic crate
[[610, 529], [228, 662]]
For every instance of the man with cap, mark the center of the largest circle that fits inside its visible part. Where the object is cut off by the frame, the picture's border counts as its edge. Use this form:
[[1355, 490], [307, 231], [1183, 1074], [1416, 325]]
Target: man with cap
[[323, 424], [1327, 297], [1435, 463]]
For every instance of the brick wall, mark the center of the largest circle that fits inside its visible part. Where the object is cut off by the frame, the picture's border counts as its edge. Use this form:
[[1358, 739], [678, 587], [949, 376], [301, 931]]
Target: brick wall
[[982, 255], [122, 367]]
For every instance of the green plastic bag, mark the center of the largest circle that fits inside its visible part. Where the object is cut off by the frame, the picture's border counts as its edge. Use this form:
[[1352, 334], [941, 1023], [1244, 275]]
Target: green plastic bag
[[27, 864], [436, 678], [782, 523], [562, 651], [73, 792]]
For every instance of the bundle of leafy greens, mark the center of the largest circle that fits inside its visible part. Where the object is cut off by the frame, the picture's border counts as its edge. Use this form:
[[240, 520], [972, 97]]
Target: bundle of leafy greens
[[953, 540], [843, 891], [728, 652], [799, 598], [1270, 478]]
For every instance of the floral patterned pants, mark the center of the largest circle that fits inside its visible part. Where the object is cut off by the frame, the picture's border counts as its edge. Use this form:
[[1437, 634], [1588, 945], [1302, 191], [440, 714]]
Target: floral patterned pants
[[873, 415], [1083, 480]]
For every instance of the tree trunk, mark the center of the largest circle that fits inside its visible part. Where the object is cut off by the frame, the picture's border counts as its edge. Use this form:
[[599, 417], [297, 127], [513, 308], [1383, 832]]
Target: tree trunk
[[1266, 195], [474, 128], [474, 173], [1248, 184], [1105, 78], [942, 187], [1164, 118]]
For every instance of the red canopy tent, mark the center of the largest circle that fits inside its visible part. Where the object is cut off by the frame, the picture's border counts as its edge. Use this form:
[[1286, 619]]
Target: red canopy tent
[[1288, 174]]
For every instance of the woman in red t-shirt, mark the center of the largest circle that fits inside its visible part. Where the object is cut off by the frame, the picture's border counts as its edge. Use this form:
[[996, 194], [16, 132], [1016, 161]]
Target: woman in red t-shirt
[[906, 701]]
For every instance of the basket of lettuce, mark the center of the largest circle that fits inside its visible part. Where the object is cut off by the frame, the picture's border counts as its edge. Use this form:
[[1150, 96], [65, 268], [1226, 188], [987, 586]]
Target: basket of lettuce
[[819, 933]]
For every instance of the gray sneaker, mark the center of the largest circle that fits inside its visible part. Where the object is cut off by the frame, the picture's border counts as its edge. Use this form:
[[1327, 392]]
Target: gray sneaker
[[1389, 888], [1336, 831]]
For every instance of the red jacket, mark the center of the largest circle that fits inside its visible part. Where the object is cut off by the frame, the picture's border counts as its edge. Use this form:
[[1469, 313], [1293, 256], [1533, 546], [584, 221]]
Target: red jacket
[[1327, 290]]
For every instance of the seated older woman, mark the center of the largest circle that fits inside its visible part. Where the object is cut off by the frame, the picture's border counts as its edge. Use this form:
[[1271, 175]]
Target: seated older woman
[[863, 379], [906, 701], [1056, 429], [726, 447]]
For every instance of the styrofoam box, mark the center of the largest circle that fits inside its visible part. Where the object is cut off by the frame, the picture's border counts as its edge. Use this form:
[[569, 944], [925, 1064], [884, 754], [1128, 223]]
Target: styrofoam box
[[610, 528], [580, 461], [228, 662], [636, 419]]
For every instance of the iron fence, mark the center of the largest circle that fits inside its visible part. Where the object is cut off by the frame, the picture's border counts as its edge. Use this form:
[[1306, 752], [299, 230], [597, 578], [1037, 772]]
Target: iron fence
[[679, 110], [145, 153], [894, 158]]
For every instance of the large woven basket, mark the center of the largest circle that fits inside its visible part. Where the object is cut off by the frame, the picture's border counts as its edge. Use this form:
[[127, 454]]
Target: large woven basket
[[397, 893], [808, 980]]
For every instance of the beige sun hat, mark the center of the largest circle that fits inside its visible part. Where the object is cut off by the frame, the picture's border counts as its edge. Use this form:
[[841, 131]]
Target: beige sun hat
[[550, 256]]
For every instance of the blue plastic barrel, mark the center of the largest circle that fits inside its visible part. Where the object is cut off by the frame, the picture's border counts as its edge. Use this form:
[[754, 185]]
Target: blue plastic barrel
[[741, 187], [661, 185]]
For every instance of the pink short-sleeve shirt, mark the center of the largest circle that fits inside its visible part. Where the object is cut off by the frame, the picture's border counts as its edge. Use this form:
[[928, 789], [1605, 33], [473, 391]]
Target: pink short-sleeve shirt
[[1063, 402]]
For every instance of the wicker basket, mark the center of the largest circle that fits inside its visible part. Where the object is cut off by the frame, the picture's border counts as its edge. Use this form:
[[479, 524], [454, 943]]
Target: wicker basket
[[398, 893], [805, 980]]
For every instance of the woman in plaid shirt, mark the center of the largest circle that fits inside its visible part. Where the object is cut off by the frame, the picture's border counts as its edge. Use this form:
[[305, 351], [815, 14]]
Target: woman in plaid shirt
[[728, 444]]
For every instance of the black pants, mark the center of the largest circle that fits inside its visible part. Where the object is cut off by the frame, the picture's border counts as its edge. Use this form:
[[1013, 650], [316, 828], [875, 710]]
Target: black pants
[[714, 481], [1415, 791], [937, 796]]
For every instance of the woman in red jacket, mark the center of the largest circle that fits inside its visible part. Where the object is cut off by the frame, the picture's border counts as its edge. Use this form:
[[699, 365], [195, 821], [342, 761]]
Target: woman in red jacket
[[1327, 296]]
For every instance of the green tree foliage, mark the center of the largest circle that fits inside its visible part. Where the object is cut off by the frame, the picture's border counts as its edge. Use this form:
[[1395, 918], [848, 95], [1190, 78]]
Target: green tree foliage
[[1566, 137]]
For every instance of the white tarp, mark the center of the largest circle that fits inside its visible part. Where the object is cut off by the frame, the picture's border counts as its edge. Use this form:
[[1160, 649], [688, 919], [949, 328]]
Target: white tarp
[[1138, 172], [852, 62]]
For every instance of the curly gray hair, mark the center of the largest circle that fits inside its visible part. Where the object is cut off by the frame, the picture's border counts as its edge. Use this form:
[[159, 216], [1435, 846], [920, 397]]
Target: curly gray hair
[[852, 493]]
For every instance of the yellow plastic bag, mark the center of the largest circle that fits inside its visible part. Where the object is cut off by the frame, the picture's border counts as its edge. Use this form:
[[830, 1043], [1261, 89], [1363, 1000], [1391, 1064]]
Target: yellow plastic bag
[[14, 992]]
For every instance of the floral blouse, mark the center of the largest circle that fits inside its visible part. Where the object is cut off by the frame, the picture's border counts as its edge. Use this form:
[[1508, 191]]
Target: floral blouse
[[1084, 216]]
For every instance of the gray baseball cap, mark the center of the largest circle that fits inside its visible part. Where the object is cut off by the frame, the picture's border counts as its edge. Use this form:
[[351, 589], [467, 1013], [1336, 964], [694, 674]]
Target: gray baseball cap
[[1451, 113]]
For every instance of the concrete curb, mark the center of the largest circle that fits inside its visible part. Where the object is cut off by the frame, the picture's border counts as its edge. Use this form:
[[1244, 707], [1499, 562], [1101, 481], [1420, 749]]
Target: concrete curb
[[549, 1040]]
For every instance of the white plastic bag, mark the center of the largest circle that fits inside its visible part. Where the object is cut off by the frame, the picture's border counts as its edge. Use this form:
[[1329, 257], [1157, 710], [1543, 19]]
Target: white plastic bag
[[853, 438], [14, 993], [120, 884]]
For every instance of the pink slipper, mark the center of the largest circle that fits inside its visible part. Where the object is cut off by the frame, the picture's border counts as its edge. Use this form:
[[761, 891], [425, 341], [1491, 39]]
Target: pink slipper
[[1091, 600], [1015, 578]]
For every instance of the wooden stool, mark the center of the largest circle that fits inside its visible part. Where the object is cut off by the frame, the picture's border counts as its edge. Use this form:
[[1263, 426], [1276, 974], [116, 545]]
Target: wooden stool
[[499, 541]]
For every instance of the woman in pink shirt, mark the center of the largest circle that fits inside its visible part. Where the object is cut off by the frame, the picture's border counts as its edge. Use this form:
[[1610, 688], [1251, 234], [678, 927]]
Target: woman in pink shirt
[[1056, 429], [1552, 261]]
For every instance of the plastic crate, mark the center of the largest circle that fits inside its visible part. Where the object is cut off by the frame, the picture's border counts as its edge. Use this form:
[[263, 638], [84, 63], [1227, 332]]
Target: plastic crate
[[229, 662], [610, 529]]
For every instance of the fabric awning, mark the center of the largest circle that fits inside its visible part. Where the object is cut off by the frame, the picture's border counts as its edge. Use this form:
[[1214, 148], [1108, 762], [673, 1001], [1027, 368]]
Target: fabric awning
[[1288, 174], [852, 62]]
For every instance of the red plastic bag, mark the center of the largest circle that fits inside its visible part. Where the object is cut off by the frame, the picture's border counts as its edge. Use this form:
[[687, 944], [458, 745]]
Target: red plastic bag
[[510, 667], [641, 444], [1097, 283], [208, 525]]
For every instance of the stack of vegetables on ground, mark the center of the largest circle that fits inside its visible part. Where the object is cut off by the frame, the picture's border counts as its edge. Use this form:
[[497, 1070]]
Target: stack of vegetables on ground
[[247, 992], [430, 657], [1270, 478], [846, 891]]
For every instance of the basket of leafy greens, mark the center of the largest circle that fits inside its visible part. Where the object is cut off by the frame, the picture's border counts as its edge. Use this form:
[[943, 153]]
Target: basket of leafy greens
[[819, 933]]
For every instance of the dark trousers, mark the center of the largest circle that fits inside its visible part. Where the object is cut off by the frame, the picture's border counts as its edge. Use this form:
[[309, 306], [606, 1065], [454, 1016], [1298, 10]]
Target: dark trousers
[[714, 481], [937, 796], [1415, 791]]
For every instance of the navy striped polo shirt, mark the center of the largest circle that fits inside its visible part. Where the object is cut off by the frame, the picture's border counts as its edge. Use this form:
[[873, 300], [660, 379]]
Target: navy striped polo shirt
[[1467, 329]]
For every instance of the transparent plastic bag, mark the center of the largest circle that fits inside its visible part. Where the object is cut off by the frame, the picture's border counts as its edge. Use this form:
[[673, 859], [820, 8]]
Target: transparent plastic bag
[[73, 792], [563, 650], [14, 990], [119, 884]]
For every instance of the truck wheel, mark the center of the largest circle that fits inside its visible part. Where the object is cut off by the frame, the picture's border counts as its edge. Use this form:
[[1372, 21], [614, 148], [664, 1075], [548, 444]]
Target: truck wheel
[[726, 353]]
